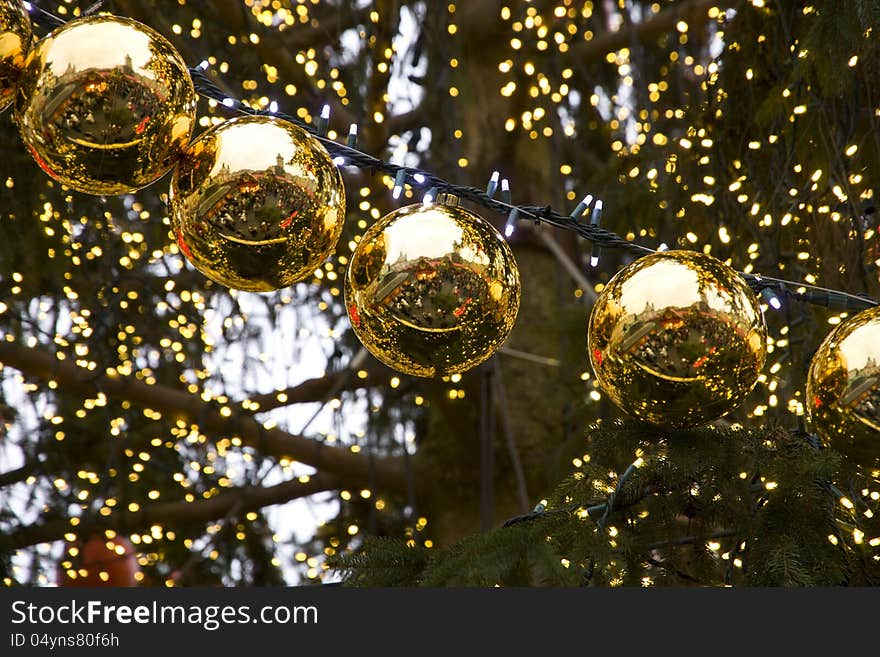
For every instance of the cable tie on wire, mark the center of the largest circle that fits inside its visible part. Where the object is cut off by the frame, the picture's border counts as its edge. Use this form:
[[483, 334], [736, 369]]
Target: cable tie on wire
[[837, 300], [493, 184], [352, 139], [581, 207], [399, 181], [510, 226], [595, 218], [323, 121], [546, 214]]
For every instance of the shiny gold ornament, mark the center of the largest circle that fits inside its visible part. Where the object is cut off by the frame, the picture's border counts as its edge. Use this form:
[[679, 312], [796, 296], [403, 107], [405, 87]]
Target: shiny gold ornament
[[257, 204], [432, 289], [15, 43], [843, 389], [105, 104], [677, 339]]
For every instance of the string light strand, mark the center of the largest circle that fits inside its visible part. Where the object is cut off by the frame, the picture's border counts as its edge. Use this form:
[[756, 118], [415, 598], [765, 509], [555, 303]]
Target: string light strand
[[598, 236], [346, 154]]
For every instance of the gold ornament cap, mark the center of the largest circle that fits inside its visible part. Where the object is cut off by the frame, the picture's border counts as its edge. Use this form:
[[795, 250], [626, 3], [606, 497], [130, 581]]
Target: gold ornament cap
[[448, 199]]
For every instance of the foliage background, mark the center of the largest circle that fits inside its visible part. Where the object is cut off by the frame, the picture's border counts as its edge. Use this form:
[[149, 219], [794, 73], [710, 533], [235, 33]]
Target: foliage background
[[141, 399]]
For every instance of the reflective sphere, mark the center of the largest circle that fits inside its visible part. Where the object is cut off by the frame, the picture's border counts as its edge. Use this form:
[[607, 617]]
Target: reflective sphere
[[843, 389], [677, 339], [105, 104], [15, 43], [257, 204], [432, 290]]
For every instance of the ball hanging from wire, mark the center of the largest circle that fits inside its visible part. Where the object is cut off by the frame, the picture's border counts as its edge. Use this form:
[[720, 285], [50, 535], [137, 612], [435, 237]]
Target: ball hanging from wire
[[257, 203], [16, 37], [432, 289], [677, 339], [105, 105], [843, 389]]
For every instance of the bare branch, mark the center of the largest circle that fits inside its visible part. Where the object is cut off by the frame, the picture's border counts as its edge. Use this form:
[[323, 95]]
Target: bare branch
[[406, 121], [571, 268], [318, 389], [19, 474], [172, 514], [385, 472]]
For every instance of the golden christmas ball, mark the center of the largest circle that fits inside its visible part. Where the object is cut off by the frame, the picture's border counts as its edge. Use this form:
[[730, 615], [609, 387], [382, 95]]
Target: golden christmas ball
[[15, 43], [257, 204], [432, 289], [843, 389], [105, 105], [677, 339]]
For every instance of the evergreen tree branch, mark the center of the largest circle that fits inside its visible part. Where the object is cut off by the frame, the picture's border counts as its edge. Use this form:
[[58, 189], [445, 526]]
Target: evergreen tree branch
[[172, 514], [673, 569], [690, 540], [387, 473]]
